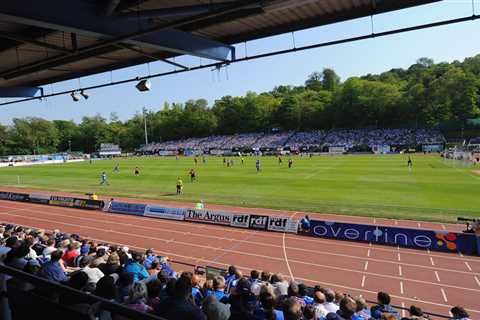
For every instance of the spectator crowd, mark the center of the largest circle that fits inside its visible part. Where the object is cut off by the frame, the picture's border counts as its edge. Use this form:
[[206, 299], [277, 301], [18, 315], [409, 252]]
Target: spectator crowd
[[297, 140], [148, 283]]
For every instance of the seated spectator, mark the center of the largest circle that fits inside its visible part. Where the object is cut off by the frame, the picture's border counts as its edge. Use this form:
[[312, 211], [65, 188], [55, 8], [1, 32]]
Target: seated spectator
[[362, 312], [79, 281], [415, 314], [459, 313], [137, 298], [154, 291], [10, 243], [347, 309], [329, 304], [49, 249], [94, 274], [125, 284], [154, 268], [215, 310], [165, 265], [16, 256], [53, 270], [135, 266], [71, 253], [149, 258], [106, 288], [383, 306], [266, 310], [218, 289], [99, 258], [30, 241], [178, 306], [292, 310], [113, 264]]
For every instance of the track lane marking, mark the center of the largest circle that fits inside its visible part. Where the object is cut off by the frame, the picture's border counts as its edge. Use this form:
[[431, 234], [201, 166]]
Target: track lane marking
[[401, 287], [285, 252], [400, 271], [366, 266], [230, 239], [189, 244], [414, 299], [444, 295], [468, 266], [432, 262], [363, 281], [437, 276], [218, 228]]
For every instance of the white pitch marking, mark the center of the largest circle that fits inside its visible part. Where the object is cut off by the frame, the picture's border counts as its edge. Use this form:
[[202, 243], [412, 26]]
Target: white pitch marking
[[437, 276], [431, 261], [401, 287], [400, 271], [444, 295], [468, 266], [366, 266], [478, 281], [363, 281]]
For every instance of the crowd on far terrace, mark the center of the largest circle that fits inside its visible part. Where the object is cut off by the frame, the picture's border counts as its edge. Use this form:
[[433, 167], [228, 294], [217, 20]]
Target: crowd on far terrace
[[297, 140], [148, 283]]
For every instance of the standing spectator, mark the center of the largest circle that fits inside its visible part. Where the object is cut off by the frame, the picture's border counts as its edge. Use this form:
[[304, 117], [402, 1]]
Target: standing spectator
[[292, 310], [53, 270], [255, 281], [329, 305], [135, 266], [218, 289], [459, 313], [302, 293], [242, 301], [196, 291], [319, 304], [230, 276], [293, 292], [215, 310], [362, 312], [280, 286], [266, 310], [178, 306]]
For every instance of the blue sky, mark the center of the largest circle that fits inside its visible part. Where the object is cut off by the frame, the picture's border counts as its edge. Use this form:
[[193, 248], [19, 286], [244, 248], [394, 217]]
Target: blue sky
[[449, 43]]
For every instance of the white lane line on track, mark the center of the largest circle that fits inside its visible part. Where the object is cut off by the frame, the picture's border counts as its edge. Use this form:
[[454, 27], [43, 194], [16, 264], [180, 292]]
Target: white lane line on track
[[396, 222], [476, 279], [398, 257], [432, 262], [171, 254], [400, 271], [190, 244], [401, 287], [368, 253], [468, 266], [363, 281], [35, 208], [285, 252], [460, 254], [366, 266], [443, 227], [419, 225], [444, 295], [437, 276]]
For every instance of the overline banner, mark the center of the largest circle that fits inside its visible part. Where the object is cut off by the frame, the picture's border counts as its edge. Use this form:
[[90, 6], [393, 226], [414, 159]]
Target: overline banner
[[135, 209], [394, 236]]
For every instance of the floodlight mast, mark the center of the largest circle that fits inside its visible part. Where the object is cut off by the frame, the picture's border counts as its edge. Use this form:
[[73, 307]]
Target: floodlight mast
[[145, 124]]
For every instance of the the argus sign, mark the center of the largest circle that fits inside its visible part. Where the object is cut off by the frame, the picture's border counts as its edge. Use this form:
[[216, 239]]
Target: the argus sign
[[215, 217], [412, 238]]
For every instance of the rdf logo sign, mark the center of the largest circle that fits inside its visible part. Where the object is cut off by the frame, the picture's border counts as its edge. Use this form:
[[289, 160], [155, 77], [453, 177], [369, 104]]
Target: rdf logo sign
[[258, 222]]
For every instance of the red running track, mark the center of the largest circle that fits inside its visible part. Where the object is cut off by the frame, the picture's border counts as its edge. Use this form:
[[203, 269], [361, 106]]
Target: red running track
[[432, 280]]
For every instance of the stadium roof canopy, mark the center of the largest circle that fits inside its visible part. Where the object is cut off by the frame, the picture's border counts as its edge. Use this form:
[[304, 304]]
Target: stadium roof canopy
[[43, 42]]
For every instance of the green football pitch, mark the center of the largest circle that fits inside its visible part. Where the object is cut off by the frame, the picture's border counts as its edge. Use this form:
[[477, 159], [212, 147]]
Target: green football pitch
[[381, 186]]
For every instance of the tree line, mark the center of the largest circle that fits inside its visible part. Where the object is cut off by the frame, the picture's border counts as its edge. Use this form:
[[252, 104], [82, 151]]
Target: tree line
[[424, 95]]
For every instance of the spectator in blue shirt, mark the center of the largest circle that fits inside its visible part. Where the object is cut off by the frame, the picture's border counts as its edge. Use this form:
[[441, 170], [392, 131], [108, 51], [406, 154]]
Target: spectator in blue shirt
[[302, 292], [383, 306], [52, 270], [230, 276], [218, 289], [266, 310], [135, 266], [196, 292], [305, 223], [149, 258]]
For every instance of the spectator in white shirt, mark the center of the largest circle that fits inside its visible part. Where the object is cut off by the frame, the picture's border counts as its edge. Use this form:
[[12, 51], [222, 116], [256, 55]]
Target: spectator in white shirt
[[94, 274], [49, 249], [329, 305]]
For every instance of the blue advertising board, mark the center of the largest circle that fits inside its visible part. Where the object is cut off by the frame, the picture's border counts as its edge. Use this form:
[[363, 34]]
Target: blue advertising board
[[135, 209], [412, 238]]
